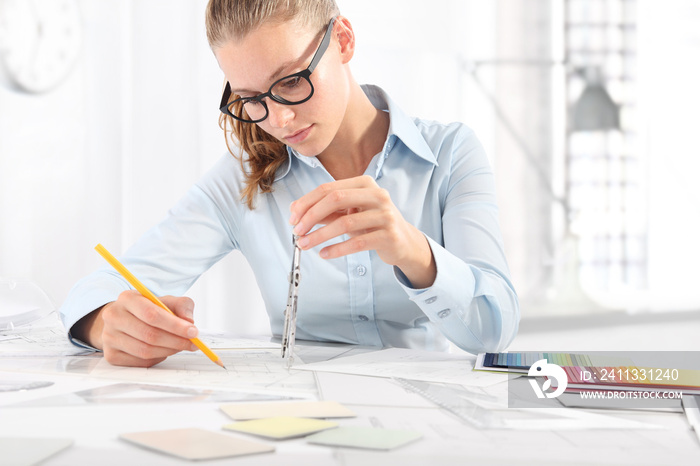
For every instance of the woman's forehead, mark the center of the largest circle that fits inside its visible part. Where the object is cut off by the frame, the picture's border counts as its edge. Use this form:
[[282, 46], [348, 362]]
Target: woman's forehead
[[265, 54]]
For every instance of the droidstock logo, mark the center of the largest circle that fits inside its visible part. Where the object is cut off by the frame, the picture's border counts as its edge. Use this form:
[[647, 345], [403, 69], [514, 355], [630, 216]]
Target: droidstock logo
[[551, 371]]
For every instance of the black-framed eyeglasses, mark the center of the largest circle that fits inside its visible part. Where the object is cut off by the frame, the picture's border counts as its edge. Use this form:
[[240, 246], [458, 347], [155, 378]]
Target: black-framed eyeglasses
[[291, 90]]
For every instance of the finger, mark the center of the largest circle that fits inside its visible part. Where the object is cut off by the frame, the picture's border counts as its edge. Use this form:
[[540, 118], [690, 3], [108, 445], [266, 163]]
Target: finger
[[336, 201], [154, 336], [299, 207], [366, 242], [125, 323], [350, 224], [119, 341], [155, 316], [182, 306], [336, 215]]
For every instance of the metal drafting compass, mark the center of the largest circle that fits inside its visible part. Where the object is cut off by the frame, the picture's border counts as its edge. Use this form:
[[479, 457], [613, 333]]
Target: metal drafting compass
[[290, 313]]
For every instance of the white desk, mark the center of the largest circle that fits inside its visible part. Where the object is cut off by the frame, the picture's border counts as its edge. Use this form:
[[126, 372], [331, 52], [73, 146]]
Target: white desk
[[95, 425]]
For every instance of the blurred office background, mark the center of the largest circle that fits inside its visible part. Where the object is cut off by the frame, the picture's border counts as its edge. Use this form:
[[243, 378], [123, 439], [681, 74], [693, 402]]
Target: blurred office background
[[587, 109]]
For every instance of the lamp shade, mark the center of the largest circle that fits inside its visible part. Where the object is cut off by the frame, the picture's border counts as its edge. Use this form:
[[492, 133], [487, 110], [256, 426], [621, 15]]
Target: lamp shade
[[595, 110]]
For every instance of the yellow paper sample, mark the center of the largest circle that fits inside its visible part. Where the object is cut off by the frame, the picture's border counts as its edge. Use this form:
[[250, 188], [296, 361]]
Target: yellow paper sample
[[281, 427]]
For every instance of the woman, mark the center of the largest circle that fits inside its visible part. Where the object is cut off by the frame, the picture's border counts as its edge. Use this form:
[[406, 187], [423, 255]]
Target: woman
[[397, 215]]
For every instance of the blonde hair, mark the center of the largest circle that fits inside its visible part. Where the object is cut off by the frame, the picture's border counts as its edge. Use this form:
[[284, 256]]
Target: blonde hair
[[232, 20]]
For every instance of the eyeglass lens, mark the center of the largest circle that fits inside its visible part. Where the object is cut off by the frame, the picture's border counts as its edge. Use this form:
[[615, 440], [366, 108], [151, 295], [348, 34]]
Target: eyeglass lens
[[290, 90]]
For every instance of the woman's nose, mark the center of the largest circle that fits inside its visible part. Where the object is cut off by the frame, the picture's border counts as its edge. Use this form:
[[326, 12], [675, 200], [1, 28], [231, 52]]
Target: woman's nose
[[279, 115]]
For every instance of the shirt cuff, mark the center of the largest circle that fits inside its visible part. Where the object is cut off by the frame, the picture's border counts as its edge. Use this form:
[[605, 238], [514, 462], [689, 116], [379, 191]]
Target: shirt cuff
[[89, 294], [81, 344], [454, 285]]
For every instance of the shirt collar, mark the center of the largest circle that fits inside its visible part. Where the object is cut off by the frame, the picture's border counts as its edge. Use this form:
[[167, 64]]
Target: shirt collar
[[401, 126]]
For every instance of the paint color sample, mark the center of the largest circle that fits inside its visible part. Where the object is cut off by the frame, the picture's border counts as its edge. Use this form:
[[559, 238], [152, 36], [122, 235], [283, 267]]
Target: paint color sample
[[365, 437], [196, 444], [309, 409], [281, 427]]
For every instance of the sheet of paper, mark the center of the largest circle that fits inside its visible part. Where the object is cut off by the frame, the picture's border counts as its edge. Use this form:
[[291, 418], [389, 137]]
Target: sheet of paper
[[365, 437], [260, 370], [130, 393], [281, 427], [30, 451], [351, 389], [221, 340], [40, 342], [307, 409], [196, 444], [410, 364], [558, 419]]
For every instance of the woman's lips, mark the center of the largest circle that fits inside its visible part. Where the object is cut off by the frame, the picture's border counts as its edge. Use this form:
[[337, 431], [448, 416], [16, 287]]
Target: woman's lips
[[299, 136]]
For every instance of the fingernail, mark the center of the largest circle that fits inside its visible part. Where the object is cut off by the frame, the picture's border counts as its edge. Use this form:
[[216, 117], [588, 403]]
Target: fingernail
[[298, 229], [193, 347], [303, 242], [192, 332], [293, 219], [323, 253]]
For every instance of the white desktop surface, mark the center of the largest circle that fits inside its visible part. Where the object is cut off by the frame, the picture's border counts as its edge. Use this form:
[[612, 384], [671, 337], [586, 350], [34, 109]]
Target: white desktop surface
[[378, 402]]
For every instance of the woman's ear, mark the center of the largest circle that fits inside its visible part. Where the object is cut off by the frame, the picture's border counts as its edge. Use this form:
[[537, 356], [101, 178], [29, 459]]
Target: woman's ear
[[346, 38]]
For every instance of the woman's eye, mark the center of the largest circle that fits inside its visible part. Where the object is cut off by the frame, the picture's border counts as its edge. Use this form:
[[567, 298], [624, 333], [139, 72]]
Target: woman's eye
[[292, 82]]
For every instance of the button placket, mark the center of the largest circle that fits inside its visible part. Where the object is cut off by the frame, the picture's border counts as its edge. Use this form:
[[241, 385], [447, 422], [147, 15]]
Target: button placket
[[359, 270]]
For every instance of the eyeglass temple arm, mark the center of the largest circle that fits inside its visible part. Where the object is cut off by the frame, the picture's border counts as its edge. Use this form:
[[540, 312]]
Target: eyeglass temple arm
[[226, 95], [322, 48], [314, 61]]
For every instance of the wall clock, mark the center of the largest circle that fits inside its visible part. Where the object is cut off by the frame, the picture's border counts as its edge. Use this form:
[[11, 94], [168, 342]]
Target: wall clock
[[40, 41]]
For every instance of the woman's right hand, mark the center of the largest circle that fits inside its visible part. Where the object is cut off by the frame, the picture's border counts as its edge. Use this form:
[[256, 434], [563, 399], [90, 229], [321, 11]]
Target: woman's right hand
[[133, 331]]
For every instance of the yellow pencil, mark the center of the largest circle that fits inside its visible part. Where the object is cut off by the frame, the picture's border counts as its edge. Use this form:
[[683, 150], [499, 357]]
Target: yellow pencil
[[147, 293]]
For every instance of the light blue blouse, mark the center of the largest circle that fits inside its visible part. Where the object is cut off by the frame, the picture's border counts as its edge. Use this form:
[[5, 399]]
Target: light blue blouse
[[438, 176]]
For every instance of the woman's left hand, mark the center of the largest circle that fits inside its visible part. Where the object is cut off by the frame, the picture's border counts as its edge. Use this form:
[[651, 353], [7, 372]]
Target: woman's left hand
[[361, 209]]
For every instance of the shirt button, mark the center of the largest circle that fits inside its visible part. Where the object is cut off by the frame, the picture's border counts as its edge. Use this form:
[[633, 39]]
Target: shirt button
[[431, 300], [364, 318], [444, 313], [361, 270]]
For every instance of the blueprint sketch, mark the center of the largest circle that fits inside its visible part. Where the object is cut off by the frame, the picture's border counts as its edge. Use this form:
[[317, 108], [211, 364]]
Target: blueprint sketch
[[44, 339], [256, 369]]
